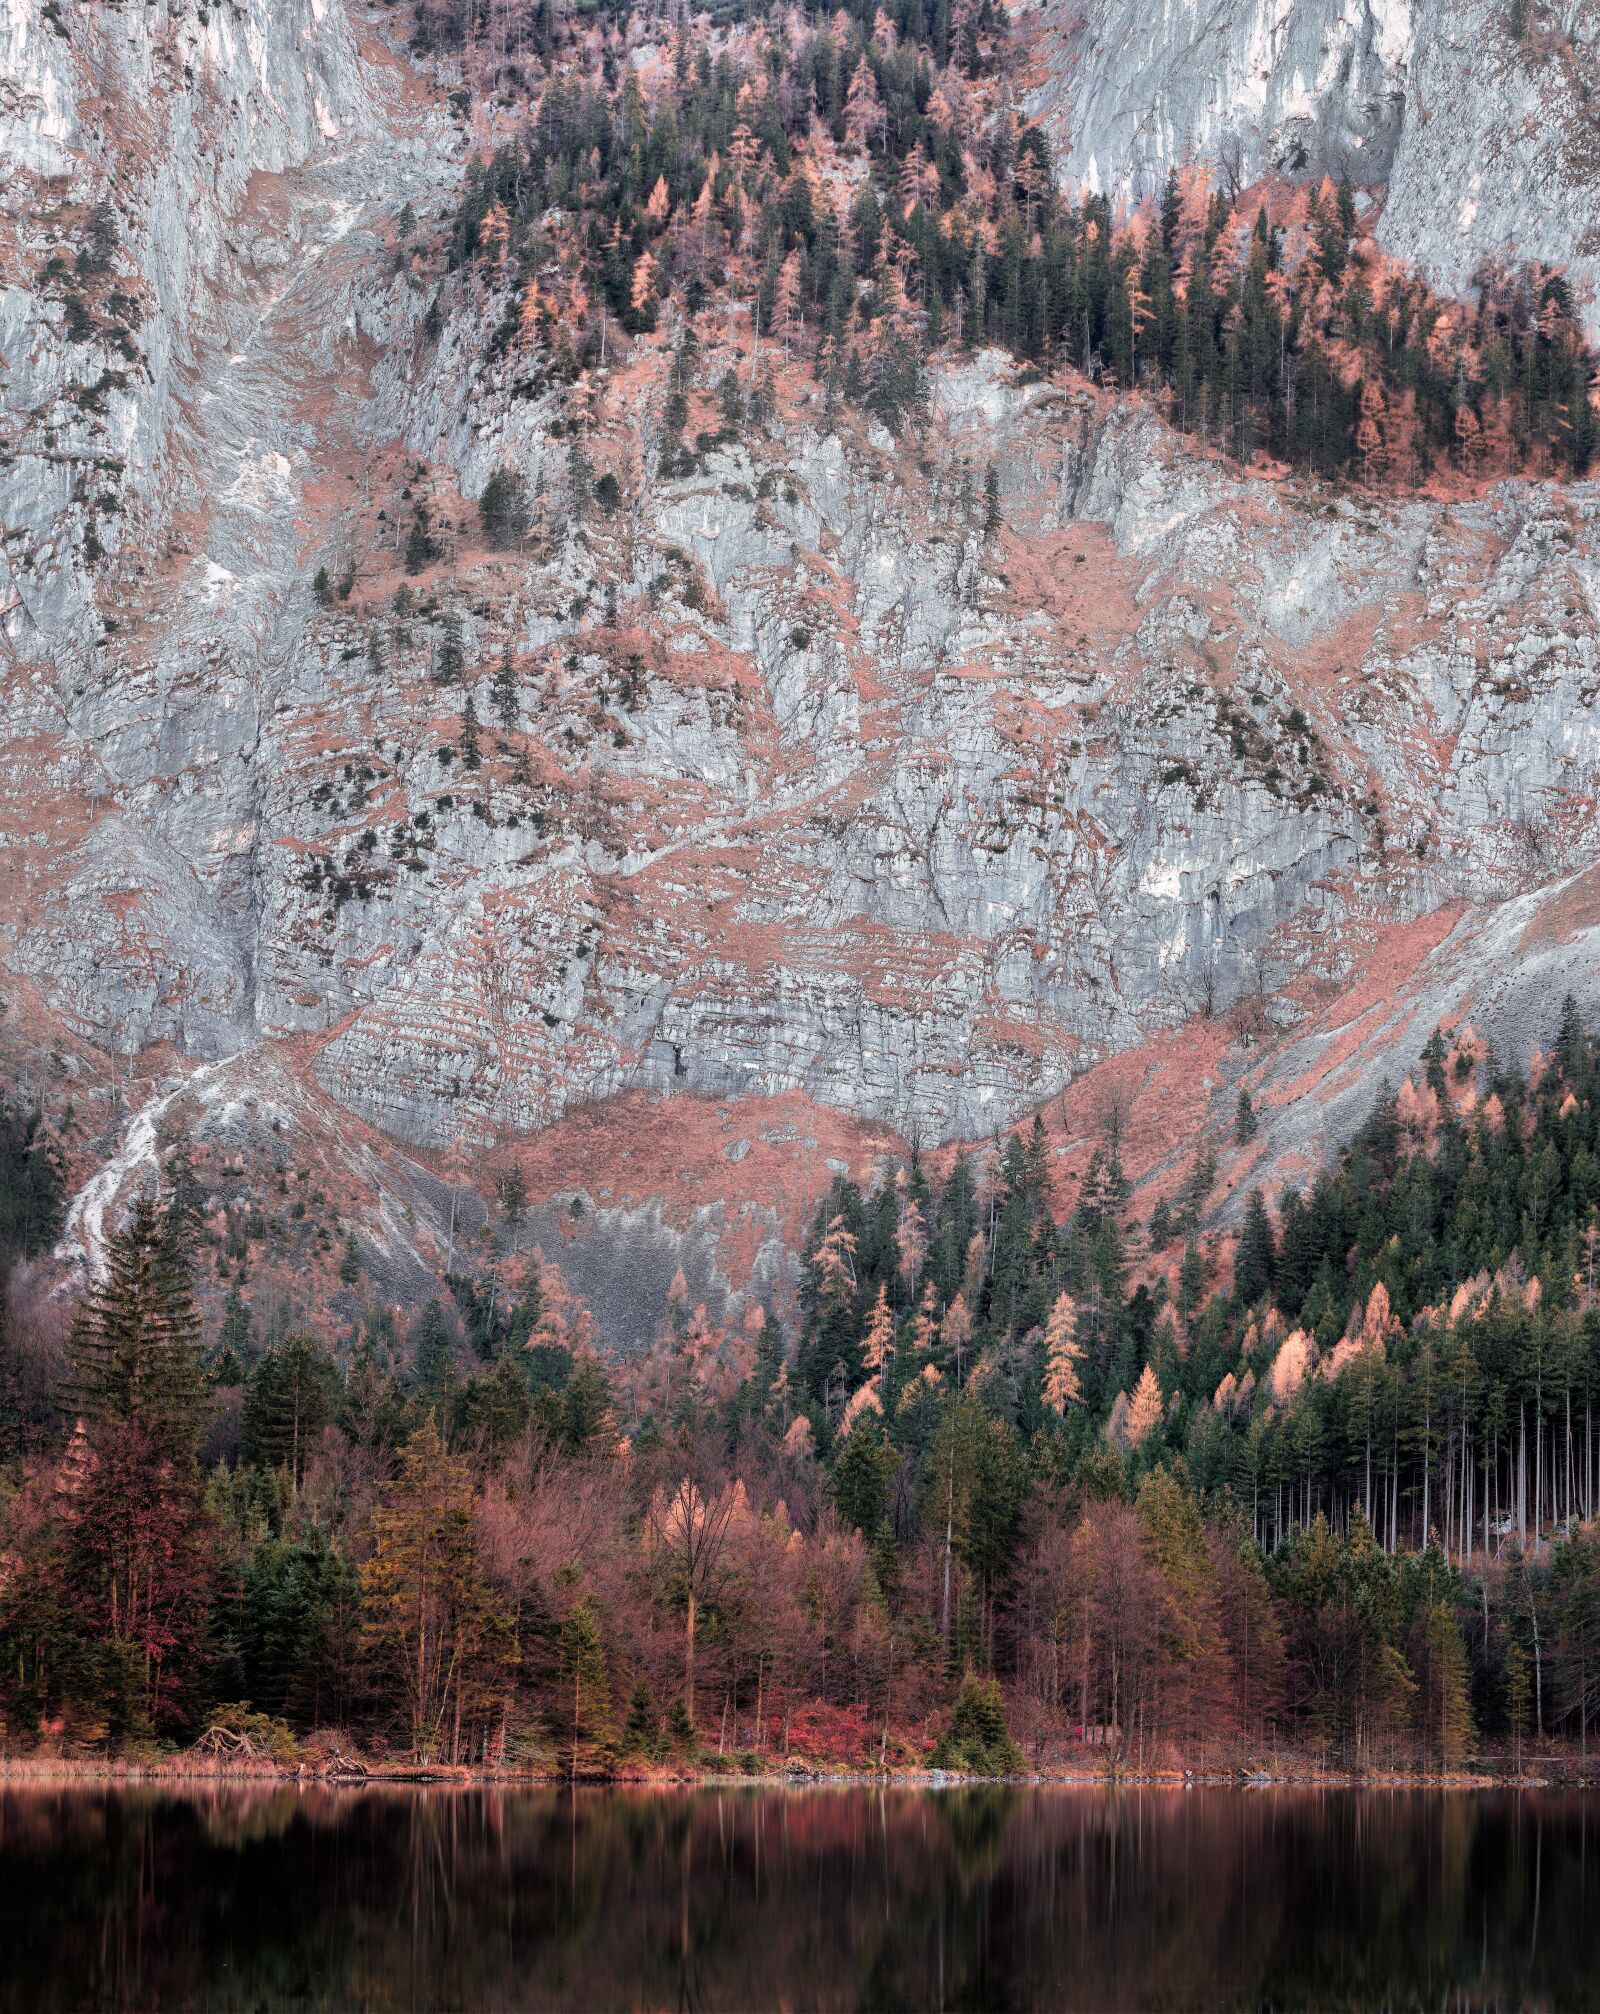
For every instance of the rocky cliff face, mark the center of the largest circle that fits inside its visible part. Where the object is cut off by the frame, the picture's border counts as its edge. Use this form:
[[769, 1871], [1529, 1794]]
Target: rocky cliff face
[[1473, 123], [810, 787]]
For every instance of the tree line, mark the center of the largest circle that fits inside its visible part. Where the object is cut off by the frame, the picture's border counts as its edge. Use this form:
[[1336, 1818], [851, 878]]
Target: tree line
[[1024, 1476], [858, 182]]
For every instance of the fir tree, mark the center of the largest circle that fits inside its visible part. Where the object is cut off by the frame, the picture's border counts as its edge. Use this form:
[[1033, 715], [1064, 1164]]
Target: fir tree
[[503, 695], [503, 508], [292, 1394], [641, 1731], [1255, 1261], [863, 1471], [471, 745], [434, 1356], [135, 1348], [1518, 1697], [451, 657]]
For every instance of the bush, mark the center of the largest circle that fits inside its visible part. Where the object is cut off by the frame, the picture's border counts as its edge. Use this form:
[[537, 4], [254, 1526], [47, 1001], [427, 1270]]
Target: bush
[[979, 1743]]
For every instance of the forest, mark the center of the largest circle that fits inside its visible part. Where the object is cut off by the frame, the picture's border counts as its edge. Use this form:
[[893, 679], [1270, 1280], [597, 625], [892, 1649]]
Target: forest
[[1022, 1479], [857, 184]]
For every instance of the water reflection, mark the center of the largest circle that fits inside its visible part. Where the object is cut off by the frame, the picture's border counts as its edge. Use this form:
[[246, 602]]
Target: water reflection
[[985, 1898]]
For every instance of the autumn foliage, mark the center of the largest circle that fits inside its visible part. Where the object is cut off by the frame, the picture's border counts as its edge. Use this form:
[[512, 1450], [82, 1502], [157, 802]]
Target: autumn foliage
[[1002, 1485], [858, 186]]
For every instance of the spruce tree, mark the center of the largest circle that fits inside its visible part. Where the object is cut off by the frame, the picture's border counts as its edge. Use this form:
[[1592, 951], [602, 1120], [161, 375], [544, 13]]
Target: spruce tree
[[451, 657], [503, 508], [503, 690], [863, 1471], [293, 1393], [135, 1347], [138, 1556], [434, 1355], [1256, 1260], [471, 743]]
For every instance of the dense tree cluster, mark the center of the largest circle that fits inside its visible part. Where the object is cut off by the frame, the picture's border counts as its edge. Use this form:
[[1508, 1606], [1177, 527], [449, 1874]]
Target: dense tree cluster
[[1020, 1472], [858, 181]]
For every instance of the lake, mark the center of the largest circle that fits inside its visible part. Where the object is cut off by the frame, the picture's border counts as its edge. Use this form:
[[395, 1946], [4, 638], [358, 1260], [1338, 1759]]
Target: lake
[[798, 1898]]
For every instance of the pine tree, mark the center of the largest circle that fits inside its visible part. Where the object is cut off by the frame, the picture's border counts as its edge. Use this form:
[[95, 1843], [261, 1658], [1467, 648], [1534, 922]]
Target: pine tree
[[586, 1688], [979, 1743], [234, 1334], [641, 1731], [503, 508], [1245, 1122], [1442, 1691], [420, 551], [1572, 1044]]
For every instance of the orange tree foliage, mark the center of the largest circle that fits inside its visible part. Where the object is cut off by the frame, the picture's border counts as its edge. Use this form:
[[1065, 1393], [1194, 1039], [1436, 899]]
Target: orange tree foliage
[[861, 178]]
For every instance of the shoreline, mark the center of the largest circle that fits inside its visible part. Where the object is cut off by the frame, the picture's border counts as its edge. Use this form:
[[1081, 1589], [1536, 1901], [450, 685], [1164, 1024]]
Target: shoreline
[[201, 1771]]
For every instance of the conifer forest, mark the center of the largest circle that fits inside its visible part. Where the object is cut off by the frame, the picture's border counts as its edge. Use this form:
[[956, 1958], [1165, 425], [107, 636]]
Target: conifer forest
[[1023, 1482]]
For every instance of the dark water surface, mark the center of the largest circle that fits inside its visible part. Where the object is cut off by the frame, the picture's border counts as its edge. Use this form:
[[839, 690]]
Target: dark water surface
[[844, 1898]]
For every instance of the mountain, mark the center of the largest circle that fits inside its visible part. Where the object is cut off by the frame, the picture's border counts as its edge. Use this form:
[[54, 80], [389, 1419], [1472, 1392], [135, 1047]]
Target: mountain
[[1472, 123], [452, 721]]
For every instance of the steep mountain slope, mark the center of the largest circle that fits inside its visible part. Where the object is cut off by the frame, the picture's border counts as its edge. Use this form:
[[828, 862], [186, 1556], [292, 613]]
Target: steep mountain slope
[[818, 805], [1473, 122]]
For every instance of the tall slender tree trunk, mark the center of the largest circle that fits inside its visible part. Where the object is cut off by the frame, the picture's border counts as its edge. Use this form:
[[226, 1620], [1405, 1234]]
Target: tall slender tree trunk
[[1538, 1462], [949, 1536]]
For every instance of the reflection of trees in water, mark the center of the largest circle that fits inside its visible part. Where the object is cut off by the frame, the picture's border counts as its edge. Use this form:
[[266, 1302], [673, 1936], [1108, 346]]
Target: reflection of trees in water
[[833, 1898]]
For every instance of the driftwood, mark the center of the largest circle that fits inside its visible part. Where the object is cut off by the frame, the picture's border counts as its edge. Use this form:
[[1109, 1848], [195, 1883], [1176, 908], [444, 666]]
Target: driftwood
[[233, 1743]]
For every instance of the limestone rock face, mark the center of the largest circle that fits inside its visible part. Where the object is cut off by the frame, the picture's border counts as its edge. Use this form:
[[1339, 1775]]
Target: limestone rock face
[[809, 786], [1478, 140]]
